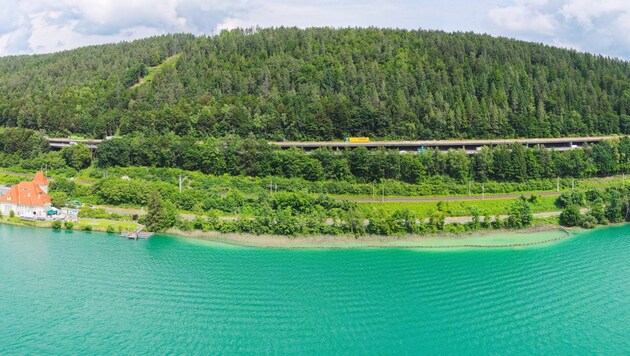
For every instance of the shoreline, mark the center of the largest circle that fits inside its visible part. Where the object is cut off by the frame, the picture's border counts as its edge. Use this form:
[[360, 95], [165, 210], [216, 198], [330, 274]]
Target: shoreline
[[483, 239], [77, 225]]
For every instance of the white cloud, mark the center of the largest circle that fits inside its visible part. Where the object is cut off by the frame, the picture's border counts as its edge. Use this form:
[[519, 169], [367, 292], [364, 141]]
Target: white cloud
[[522, 18], [309, 13], [37, 26], [66, 36], [598, 26], [586, 11], [107, 17], [7, 15]]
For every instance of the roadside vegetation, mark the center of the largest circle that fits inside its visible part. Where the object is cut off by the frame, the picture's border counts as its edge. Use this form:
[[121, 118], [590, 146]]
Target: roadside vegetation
[[603, 207], [294, 206], [492, 207]]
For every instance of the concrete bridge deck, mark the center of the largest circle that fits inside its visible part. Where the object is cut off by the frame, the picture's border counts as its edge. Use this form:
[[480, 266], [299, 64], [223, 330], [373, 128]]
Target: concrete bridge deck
[[65, 142], [471, 146]]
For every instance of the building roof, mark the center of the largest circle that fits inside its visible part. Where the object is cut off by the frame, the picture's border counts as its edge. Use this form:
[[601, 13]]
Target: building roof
[[26, 193], [40, 179]]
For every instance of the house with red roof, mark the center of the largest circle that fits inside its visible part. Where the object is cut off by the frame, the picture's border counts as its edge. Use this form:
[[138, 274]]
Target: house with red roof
[[41, 181], [27, 199]]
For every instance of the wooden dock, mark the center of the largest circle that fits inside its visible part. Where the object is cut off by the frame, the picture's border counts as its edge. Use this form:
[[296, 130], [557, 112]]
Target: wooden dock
[[138, 234]]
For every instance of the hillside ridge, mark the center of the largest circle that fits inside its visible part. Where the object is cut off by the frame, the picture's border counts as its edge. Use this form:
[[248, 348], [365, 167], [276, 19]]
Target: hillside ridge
[[320, 84]]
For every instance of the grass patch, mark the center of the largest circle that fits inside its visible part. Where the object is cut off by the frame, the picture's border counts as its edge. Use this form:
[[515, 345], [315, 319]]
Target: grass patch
[[170, 61], [462, 208], [552, 220], [103, 224]]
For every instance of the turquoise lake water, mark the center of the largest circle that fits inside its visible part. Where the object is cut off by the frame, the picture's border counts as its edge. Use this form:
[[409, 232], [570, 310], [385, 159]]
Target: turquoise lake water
[[92, 293]]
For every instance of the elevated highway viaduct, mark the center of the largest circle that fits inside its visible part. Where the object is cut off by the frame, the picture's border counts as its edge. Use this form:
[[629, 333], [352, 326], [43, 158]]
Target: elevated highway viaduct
[[59, 143], [471, 146]]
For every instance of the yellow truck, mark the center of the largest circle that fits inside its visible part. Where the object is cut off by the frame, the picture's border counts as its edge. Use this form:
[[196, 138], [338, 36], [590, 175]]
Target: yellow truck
[[358, 139]]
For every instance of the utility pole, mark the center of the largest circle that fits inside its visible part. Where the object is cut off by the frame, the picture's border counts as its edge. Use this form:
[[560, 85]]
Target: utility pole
[[271, 186], [572, 185], [468, 188], [557, 184], [373, 190], [483, 191], [383, 195], [180, 183]]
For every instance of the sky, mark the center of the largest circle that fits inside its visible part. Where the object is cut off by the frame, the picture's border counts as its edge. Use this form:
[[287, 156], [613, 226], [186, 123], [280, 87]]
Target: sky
[[44, 26]]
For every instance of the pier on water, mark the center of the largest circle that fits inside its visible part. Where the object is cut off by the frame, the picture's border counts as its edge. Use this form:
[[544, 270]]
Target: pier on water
[[137, 234]]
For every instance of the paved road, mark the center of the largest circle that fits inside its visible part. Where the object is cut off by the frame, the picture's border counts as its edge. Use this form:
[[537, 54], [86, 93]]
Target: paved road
[[467, 219], [448, 219], [132, 211], [443, 198], [17, 174]]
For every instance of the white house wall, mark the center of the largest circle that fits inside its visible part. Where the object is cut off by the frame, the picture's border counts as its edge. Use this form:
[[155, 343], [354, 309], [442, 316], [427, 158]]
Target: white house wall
[[23, 210]]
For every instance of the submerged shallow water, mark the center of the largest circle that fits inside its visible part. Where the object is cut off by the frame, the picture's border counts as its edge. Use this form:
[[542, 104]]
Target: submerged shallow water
[[96, 293]]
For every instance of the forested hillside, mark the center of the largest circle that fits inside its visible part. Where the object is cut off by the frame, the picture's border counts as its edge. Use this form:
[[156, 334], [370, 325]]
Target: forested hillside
[[80, 91], [288, 84]]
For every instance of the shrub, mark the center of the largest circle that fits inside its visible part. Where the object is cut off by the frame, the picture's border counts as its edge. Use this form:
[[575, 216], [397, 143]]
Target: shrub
[[570, 198], [570, 216], [497, 223], [58, 199], [92, 213], [69, 225], [588, 221], [520, 214], [56, 225], [184, 225], [597, 211], [110, 229], [455, 228], [437, 219], [487, 222], [86, 227]]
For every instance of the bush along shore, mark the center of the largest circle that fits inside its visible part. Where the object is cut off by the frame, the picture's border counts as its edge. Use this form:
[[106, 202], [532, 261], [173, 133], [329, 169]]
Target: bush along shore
[[295, 214], [243, 205], [602, 207], [289, 214], [269, 219]]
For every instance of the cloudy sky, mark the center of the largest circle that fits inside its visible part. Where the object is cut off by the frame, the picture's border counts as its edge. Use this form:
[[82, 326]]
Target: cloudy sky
[[42, 26]]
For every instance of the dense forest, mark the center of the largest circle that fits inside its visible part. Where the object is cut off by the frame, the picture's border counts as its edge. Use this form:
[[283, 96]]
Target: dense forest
[[321, 83], [252, 157], [256, 158]]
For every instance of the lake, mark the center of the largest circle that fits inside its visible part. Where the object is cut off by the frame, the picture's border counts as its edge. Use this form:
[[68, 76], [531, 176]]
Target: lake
[[87, 293]]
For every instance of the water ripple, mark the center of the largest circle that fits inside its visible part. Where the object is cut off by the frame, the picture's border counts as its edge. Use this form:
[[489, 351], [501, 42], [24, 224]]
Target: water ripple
[[94, 293]]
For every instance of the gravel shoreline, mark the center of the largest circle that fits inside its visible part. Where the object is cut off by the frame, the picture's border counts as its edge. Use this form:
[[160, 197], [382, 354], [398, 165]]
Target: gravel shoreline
[[537, 235]]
